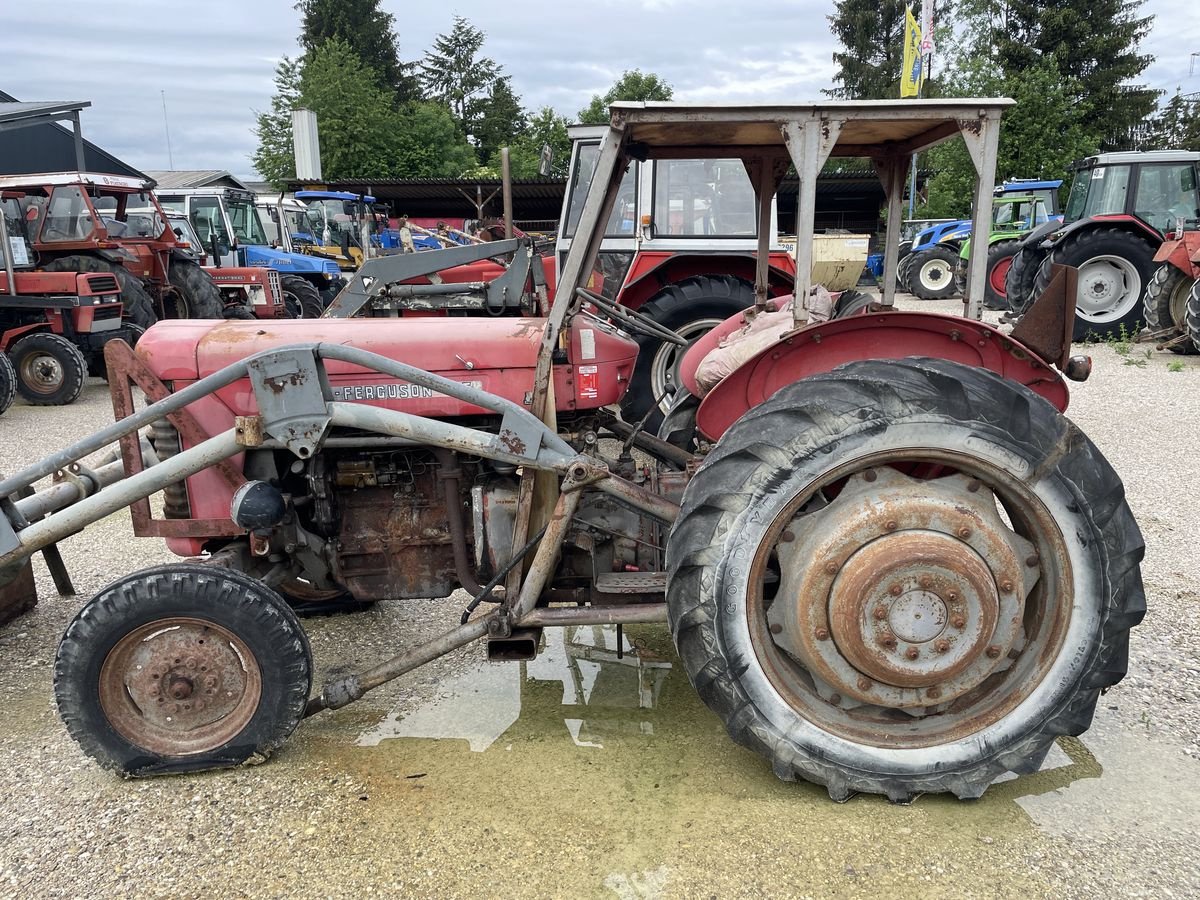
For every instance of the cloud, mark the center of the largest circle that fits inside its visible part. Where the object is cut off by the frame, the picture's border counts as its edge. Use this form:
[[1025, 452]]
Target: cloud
[[215, 61]]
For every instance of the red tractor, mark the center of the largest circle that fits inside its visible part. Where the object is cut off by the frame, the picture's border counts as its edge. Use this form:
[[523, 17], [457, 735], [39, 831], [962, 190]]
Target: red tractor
[[1173, 287], [1118, 209], [53, 325], [83, 222], [888, 561]]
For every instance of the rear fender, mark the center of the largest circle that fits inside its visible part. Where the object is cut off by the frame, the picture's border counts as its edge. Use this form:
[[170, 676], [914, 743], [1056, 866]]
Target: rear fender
[[824, 346], [1183, 253], [652, 270], [1129, 223]]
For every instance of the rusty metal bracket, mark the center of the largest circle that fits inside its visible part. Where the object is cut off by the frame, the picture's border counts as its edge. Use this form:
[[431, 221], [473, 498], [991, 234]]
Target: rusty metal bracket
[[293, 396], [1048, 325]]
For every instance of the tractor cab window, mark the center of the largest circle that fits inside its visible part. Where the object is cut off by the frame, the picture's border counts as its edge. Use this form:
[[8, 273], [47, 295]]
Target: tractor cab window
[[247, 226], [68, 216], [1098, 191], [703, 198], [1166, 195], [19, 215], [623, 219], [209, 222]]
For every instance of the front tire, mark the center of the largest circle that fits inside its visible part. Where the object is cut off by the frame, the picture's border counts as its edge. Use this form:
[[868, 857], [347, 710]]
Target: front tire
[[182, 668], [1165, 303], [902, 578], [692, 308], [1193, 315], [300, 298], [50, 369], [198, 294], [931, 273], [1114, 265], [8, 383]]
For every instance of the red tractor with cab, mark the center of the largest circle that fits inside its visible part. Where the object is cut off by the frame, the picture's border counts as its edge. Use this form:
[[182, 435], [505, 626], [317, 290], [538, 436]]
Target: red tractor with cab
[[888, 561], [1171, 305], [53, 325]]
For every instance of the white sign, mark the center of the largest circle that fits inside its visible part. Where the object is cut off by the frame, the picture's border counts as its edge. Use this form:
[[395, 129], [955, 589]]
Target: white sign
[[926, 27], [16, 246]]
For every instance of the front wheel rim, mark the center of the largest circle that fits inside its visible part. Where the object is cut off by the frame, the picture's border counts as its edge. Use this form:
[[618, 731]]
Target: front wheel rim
[[664, 367], [934, 274], [951, 652], [180, 686], [42, 373], [1109, 287]]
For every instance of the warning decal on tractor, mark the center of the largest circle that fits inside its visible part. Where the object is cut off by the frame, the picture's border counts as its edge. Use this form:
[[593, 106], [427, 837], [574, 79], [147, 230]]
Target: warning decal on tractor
[[589, 382]]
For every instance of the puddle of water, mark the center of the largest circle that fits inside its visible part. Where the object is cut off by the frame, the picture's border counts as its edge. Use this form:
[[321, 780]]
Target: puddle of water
[[599, 774]]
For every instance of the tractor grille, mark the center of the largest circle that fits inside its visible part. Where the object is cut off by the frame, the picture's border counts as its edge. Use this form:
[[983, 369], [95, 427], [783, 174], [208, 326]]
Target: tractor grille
[[103, 284], [275, 286], [108, 311]]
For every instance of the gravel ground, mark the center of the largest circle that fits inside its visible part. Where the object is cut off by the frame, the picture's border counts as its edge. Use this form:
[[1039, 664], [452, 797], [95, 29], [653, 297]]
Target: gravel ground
[[581, 774]]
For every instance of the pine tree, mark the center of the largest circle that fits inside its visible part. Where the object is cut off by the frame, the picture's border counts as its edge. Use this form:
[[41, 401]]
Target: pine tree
[[500, 118], [275, 159], [871, 33], [457, 75], [369, 32]]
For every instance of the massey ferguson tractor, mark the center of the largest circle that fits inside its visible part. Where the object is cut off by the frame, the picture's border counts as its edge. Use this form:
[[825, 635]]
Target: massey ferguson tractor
[[889, 562]]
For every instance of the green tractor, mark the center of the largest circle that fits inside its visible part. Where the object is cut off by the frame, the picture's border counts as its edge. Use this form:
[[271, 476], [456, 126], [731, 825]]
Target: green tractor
[[1013, 217]]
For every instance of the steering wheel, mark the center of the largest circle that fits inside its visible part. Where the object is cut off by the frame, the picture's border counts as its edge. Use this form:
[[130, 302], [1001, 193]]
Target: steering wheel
[[631, 320]]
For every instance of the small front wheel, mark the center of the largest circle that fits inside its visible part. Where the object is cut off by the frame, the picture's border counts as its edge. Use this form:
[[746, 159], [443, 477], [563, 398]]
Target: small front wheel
[[182, 668], [50, 369]]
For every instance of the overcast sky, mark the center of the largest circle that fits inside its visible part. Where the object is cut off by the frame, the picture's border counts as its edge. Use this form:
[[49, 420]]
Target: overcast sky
[[214, 59]]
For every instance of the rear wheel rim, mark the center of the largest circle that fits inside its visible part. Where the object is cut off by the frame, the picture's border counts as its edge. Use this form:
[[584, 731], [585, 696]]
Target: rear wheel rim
[[1109, 287], [998, 274], [664, 367], [1178, 304], [180, 686], [973, 633], [934, 273], [42, 373]]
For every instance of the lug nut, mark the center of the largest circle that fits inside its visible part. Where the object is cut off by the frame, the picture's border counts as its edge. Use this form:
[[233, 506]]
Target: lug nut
[[787, 537], [881, 613], [974, 485], [870, 475], [942, 646], [864, 684], [1006, 586], [896, 590], [964, 532], [887, 640], [835, 699], [993, 651], [959, 622], [926, 582], [822, 634], [1032, 560], [912, 652], [775, 629], [831, 567], [933, 693], [952, 596], [890, 525]]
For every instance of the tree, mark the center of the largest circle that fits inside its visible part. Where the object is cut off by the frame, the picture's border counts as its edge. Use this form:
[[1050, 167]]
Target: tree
[[500, 118], [457, 75], [1095, 46], [1176, 126], [362, 133], [632, 85], [274, 159], [871, 33], [545, 128], [369, 32], [1039, 136]]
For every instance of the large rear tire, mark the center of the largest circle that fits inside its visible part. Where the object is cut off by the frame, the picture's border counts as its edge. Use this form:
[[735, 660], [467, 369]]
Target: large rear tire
[[1000, 258], [1114, 267], [904, 577], [691, 308], [137, 304], [50, 369], [181, 668], [301, 298], [199, 296], [1193, 315], [8, 383], [931, 273], [1165, 303]]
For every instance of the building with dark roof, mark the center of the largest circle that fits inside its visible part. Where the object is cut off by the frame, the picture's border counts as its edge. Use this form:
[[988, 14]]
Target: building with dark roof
[[47, 146]]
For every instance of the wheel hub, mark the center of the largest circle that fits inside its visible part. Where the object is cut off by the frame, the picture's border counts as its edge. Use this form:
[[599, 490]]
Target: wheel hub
[[43, 373], [1108, 286], [902, 593], [935, 273], [179, 686]]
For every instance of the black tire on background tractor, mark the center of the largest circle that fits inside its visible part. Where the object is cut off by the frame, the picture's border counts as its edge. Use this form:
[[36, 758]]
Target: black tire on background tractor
[[50, 369], [97, 367], [181, 668], [1165, 303], [1000, 257], [137, 302], [1193, 315], [903, 252], [904, 273], [782, 578], [301, 298], [852, 303], [199, 296], [931, 273], [1114, 267], [8, 383], [1022, 273], [691, 307]]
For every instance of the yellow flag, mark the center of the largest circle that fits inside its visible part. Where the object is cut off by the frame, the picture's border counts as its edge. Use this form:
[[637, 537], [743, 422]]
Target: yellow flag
[[912, 75]]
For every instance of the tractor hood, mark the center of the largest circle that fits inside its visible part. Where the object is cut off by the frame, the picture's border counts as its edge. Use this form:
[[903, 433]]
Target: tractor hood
[[935, 234], [288, 263]]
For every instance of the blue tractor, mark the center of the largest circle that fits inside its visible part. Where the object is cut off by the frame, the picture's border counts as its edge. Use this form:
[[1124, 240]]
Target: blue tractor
[[232, 234], [927, 270]]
